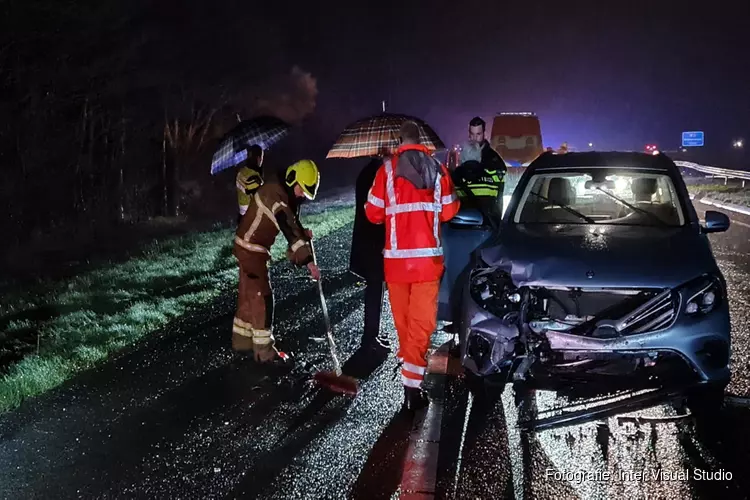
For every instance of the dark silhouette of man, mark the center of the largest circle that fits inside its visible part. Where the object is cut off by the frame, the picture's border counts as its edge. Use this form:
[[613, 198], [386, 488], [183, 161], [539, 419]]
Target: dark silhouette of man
[[366, 260]]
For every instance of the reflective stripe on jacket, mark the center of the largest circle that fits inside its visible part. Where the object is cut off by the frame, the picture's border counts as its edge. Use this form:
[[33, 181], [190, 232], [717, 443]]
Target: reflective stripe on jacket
[[490, 184], [269, 213], [413, 251], [483, 179]]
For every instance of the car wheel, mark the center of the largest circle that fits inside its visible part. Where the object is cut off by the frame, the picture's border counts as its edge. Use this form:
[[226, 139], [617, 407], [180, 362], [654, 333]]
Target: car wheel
[[705, 403], [486, 389]]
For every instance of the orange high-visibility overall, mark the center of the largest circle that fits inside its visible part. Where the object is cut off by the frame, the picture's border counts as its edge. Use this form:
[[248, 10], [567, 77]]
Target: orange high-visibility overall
[[413, 252]]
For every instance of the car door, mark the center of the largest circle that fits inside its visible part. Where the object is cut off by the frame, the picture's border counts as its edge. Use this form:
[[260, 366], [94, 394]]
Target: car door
[[461, 237]]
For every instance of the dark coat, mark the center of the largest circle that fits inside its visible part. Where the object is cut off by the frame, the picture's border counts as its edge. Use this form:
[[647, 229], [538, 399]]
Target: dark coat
[[491, 160], [368, 239]]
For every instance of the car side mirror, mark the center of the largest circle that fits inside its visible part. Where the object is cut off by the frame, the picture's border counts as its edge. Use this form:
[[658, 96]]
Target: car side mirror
[[716, 222], [467, 218]]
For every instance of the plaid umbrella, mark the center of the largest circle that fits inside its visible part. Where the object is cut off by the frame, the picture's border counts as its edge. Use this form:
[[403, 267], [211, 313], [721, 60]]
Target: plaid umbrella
[[378, 135], [265, 131]]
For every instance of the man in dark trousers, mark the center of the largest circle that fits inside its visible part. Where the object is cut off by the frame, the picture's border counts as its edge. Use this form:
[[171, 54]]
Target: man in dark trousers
[[366, 260]]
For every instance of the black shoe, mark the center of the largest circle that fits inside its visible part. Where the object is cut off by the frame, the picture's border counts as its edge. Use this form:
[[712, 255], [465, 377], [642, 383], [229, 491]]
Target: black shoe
[[379, 345], [415, 399], [384, 342]]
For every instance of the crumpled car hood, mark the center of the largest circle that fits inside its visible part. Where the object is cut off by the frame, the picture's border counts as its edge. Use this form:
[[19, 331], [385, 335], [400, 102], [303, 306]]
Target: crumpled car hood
[[582, 255]]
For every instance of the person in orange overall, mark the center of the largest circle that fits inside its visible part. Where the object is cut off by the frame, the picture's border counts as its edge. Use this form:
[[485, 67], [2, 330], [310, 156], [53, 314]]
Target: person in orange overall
[[412, 195]]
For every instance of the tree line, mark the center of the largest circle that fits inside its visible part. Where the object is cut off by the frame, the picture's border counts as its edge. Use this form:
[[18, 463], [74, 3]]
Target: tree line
[[110, 110]]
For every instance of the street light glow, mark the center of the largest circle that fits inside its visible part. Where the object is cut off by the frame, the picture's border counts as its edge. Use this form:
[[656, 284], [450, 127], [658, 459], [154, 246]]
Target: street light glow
[[591, 144], [738, 143]]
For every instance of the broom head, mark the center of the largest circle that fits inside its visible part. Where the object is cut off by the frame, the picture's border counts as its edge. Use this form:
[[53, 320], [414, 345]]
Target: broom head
[[343, 384]]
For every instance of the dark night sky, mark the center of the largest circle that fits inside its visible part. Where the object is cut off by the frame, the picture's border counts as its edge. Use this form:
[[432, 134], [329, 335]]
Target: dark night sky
[[619, 75]]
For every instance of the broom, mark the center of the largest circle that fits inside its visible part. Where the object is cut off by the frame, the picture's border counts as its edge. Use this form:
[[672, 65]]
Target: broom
[[332, 380]]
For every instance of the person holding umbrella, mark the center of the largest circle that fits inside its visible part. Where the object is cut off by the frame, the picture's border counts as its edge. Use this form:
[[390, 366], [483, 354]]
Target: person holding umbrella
[[249, 178], [374, 137], [412, 194], [366, 261], [272, 209], [243, 147]]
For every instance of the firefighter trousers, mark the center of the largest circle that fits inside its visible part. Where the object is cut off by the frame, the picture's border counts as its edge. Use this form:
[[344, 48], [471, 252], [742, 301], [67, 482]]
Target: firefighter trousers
[[253, 321], [414, 307]]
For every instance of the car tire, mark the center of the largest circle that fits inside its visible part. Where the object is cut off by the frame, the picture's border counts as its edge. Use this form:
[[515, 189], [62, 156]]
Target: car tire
[[486, 389], [705, 403]]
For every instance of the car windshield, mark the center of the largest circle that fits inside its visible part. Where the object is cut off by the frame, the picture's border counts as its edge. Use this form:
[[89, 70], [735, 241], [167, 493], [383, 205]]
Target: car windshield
[[600, 196]]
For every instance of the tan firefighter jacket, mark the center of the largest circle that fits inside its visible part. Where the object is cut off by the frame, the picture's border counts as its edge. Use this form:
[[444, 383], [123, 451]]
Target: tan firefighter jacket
[[269, 212]]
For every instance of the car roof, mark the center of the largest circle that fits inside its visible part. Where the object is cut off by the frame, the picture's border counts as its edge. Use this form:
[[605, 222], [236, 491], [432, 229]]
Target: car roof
[[621, 159]]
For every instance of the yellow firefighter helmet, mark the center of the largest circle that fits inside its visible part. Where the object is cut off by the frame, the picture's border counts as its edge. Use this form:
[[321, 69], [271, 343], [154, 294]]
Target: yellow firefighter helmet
[[306, 174]]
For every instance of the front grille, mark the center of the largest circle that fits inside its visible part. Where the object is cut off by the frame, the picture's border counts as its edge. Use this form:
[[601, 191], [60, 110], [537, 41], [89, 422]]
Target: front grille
[[656, 314]]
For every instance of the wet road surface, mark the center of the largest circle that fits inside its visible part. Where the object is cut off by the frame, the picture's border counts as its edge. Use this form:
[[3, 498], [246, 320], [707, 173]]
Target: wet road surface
[[179, 416]]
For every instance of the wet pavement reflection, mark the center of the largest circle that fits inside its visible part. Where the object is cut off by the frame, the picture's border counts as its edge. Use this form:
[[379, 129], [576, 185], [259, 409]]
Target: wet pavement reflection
[[180, 416]]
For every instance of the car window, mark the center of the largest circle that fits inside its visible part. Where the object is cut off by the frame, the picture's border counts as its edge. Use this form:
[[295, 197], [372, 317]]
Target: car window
[[601, 196]]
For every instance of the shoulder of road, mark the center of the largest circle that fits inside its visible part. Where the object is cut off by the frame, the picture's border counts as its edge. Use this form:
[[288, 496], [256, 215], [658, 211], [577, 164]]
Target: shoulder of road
[[739, 214]]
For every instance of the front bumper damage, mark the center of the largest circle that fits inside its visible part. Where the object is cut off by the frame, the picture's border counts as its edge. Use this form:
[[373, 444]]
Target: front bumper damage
[[555, 332]]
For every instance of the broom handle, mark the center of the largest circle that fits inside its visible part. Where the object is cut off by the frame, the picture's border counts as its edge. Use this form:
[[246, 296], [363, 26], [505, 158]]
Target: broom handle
[[327, 319]]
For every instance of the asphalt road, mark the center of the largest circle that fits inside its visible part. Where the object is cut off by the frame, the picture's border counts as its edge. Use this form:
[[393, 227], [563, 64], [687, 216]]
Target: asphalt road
[[180, 416]]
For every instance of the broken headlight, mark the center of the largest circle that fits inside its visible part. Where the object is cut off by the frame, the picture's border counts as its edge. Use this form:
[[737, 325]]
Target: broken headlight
[[703, 295], [493, 290]]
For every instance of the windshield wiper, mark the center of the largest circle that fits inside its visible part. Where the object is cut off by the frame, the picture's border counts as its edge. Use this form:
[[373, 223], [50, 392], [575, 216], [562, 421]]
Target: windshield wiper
[[565, 207], [633, 207]]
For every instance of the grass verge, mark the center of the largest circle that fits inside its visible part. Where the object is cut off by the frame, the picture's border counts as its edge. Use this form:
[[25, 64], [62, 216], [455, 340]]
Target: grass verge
[[50, 332], [736, 195]]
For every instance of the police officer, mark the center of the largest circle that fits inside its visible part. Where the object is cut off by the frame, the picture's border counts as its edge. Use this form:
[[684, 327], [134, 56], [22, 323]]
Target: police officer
[[481, 176], [480, 182]]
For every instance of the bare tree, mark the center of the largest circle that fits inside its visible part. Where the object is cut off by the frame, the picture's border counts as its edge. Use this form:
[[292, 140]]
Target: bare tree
[[186, 125]]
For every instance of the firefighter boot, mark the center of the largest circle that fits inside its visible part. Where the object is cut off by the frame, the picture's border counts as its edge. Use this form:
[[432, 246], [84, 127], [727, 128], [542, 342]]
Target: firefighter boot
[[269, 355], [241, 343], [415, 399]]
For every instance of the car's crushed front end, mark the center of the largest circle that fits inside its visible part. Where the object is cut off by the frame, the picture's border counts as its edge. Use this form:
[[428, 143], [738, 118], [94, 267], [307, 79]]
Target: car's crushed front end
[[600, 268], [679, 332]]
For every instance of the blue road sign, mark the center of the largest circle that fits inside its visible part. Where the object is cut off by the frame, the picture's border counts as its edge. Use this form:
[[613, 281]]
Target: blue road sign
[[692, 139]]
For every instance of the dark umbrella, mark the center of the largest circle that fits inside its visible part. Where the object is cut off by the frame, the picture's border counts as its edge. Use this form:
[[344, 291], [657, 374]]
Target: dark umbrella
[[265, 131], [378, 136]]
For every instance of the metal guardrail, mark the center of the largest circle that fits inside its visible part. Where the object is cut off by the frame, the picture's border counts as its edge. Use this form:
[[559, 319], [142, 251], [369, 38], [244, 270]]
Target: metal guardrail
[[722, 173]]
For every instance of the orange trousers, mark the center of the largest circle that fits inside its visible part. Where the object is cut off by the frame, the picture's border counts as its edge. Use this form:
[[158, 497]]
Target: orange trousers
[[414, 307]]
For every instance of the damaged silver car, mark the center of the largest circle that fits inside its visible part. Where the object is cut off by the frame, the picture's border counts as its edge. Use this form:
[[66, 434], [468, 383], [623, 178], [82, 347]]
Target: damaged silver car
[[599, 269]]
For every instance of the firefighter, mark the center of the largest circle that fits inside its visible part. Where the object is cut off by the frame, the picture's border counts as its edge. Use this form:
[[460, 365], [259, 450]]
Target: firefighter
[[249, 178], [273, 208], [412, 194], [480, 178]]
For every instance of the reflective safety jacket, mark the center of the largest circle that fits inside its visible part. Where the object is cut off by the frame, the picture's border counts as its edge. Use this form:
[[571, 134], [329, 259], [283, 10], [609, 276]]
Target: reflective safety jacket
[[248, 182], [269, 212], [412, 215], [485, 179]]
